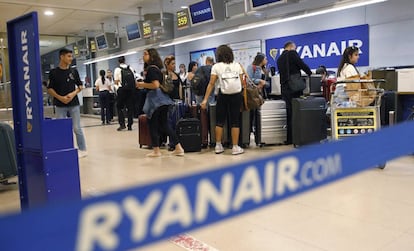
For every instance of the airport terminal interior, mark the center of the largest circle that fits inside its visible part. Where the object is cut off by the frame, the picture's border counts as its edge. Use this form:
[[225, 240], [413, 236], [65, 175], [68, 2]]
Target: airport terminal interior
[[370, 210]]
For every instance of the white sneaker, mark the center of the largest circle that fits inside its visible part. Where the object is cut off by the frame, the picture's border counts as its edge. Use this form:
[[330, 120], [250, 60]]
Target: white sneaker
[[237, 150], [82, 154], [219, 148]]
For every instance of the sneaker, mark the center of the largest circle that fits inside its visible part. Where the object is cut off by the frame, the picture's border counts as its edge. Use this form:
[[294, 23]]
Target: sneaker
[[82, 154], [153, 155], [121, 128], [237, 150], [219, 148]]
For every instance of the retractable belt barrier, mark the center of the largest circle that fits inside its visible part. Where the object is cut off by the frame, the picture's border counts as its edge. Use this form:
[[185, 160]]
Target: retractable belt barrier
[[136, 217]]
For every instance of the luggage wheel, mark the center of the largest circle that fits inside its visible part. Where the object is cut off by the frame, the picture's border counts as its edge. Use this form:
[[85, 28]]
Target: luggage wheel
[[7, 183], [140, 146], [382, 166]]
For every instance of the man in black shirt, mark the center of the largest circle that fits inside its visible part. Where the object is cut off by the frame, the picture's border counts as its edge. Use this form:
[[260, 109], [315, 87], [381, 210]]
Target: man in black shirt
[[290, 63], [64, 85]]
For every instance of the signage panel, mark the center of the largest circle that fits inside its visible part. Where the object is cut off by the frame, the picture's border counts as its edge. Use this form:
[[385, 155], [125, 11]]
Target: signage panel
[[183, 20], [201, 12], [25, 76], [265, 3], [147, 29], [323, 47], [133, 32]]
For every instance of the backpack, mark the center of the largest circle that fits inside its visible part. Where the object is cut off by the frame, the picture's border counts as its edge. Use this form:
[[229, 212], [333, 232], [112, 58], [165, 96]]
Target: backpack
[[200, 81], [166, 85], [230, 81], [128, 78]]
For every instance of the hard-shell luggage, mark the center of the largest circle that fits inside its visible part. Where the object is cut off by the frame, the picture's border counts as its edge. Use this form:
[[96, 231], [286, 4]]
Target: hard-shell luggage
[[226, 134], [308, 120], [8, 163], [189, 134], [245, 129], [270, 127], [144, 137], [176, 112], [389, 103], [202, 115]]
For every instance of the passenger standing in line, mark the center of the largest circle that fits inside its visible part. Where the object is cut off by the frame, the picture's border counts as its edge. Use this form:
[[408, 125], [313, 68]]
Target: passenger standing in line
[[169, 63], [192, 68], [112, 94], [64, 85], [183, 73], [157, 104], [103, 86], [125, 98], [290, 63], [205, 70], [229, 74], [256, 72]]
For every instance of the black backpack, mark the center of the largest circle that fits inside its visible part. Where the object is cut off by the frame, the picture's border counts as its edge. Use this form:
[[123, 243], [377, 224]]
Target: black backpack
[[200, 81], [128, 78]]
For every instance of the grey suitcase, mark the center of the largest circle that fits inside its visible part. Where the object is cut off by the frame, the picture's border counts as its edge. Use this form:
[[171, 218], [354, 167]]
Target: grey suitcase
[[271, 123], [8, 163]]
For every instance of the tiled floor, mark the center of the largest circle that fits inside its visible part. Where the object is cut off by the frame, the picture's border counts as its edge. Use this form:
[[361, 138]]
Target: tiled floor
[[370, 211]]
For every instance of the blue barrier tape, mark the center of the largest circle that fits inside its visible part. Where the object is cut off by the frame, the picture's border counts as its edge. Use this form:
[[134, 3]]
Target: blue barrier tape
[[148, 213]]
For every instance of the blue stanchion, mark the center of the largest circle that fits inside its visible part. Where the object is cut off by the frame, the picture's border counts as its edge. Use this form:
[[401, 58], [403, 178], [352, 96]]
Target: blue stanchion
[[148, 213]]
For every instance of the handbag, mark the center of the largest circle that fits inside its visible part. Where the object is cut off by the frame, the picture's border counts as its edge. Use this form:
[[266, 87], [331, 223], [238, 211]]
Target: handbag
[[252, 96], [295, 82]]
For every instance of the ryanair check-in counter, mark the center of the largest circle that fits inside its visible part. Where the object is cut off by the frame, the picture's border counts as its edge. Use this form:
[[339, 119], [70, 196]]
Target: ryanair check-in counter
[[399, 92]]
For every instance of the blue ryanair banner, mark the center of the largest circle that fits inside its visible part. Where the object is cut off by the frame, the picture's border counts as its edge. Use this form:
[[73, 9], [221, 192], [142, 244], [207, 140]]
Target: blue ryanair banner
[[324, 47], [142, 215]]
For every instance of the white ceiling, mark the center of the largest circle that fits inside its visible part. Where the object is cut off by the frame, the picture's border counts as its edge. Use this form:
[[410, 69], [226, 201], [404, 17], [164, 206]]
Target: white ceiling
[[74, 19]]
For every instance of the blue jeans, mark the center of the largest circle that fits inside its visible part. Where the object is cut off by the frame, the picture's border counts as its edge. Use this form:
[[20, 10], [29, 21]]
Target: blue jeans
[[74, 112]]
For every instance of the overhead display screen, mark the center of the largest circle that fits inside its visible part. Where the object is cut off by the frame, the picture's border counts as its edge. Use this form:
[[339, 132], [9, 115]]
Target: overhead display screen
[[101, 42], [146, 26], [262, 3], [133, 32], [183, 20], [201, 12]]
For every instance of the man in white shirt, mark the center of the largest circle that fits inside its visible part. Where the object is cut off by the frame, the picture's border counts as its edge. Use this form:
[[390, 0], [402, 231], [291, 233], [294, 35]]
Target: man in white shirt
[[125, 98]]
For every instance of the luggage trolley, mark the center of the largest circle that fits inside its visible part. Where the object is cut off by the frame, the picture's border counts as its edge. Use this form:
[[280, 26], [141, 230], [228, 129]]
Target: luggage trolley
[[355, 110]]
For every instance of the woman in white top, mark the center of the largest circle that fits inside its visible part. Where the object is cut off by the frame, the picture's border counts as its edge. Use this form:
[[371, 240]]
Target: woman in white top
[[347, 69], [103, 85], [183, 73], [229, 75]]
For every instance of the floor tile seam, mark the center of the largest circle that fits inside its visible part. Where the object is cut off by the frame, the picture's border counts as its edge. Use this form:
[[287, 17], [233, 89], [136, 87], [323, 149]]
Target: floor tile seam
[[284, 235], [390, 242], [363, 220]]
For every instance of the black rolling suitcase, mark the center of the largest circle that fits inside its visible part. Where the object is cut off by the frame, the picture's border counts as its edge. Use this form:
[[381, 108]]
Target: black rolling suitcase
[[389, 103], [245, 129], [8, 163], [308, 120], [189, 134]]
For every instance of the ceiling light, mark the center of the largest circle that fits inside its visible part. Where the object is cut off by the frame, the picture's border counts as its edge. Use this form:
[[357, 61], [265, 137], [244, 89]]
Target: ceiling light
[[334, 8], [49, 13], [184, 7], [111, 56]]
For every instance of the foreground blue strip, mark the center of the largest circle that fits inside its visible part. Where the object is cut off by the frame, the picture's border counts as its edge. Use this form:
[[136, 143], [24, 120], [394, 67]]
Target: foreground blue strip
[[145, 214]]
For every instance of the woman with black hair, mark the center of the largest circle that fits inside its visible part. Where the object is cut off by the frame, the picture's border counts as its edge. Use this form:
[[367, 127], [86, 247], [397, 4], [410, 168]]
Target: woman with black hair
[[347, 68], [229, 74], [103, 85], [192, 68], [157, 104], [257, 72]]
